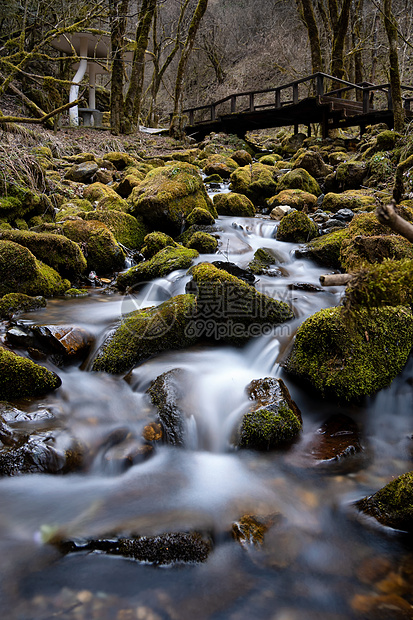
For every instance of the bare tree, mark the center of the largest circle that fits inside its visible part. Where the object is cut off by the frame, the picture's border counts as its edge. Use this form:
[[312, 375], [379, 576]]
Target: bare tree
[[395, 84]]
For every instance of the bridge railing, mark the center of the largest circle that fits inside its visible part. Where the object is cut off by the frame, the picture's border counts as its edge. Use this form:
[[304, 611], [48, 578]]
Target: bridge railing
[[369, 96]]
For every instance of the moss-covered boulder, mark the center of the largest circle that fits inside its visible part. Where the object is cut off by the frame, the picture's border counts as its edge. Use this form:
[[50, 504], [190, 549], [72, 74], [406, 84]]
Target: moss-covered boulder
[[262, 261], [299, 179], [57, 251], [296, 227], [105, 197], [156, 241], [127, 230], [273, 419], [165, 261], [294, 198], [389, 283], [270, 159], [120, 160], [351, 199], [361, 250], [220, 164], [200, 217], [349, 356], [313, 163], [21, 272], [168, 195], [103, 254], [144, 333], [242, 157], [233, 203], [351, 174], [129, 181], [76, 207], [82, 173], [256, 181], [229, 309], [20, 377], [15, 303], [203, 242], [11, 208], [381, 168], [392, 505], [326, 249]]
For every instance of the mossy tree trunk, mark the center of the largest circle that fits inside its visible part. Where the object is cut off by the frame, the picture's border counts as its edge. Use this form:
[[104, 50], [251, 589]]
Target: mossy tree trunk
[[340, 28], [306, 11], [175, 128], [395, 84], [356, 19], [118, 21], [132, 105]]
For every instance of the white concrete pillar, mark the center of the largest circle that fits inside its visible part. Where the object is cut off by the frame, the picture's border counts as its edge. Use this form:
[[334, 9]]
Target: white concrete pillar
[[92, 85], [74, 89]]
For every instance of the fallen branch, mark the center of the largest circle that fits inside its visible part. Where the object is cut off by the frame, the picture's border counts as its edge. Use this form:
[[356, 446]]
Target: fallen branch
[[387, 215], [336, 279], [22, 119]]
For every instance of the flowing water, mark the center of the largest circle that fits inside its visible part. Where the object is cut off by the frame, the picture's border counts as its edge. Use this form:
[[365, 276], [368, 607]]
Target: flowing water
[[320, 559]]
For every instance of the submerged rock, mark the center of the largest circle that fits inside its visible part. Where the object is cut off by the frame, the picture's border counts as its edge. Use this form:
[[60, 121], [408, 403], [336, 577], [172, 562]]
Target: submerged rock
[[273, 420], [166, 393], [393, 504], [20, 377], [348, 356]]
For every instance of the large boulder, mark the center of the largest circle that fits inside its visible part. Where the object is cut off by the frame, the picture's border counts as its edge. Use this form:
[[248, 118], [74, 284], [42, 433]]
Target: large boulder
[[167, 196], [273, 419], [296, 227], [326, 249], [57, 251], [392, 505], [299, 179], [363, 250], [350, 199], [389, 283], [220, 164], [313, 163], [296, 198], [147, 332], [156, 241], [21, 272], [127, 230], [233, 203], [20, 377], [257, 181], [103, 254], [167, 393], [351, 174], [348, 356], [16, 303]]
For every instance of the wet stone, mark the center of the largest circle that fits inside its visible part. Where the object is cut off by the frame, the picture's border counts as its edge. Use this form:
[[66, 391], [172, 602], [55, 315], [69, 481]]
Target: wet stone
[[64, 340], [243, 274], [167, 393]]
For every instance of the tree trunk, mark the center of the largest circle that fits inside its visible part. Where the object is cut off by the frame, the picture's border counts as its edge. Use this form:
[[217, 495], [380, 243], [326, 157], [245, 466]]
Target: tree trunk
[[175, 128], [339, 36], [307, 13], [118, 21], [133, 97], [395, 84]]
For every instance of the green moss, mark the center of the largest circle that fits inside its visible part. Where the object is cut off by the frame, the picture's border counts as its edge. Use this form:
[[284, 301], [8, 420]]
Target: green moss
[[270, 160], [203, 242], [11, 208], [120, 160], [264, 428], [380, 169], [167, 196], [351, 199], [165, 261], [21, 224], [76, 292], [360, 251], [234, 204], [20, 377], [261, 261], [386, 140], [256, 181], [295, 198], [127, 230], [393, 504], [145, 333], [103, 254], [156, 241], [200, 217], [97, 191], [326, 249], [296, 227], [389, 283], [352, 356], [55, 250], [299, 179], [15, 303], [351, 174], [220, 164]]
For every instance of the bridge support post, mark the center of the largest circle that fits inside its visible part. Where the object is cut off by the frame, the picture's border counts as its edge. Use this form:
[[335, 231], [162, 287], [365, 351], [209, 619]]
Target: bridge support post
[[308, 131], [295, 129], [324, 125]]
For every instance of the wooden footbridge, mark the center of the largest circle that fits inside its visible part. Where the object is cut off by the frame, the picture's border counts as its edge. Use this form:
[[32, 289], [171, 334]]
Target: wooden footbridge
[[318, 99]]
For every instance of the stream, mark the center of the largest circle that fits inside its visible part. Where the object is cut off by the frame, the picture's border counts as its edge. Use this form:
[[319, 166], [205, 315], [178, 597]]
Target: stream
[[320, 559]]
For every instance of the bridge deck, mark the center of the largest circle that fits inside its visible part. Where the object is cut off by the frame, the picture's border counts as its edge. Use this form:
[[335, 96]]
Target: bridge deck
[[271, 108]]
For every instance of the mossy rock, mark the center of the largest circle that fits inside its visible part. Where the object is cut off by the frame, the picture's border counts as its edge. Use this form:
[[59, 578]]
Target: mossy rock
[[273, 420], [168, 195], [380, 169], [165, 261], [299, 179], [296, 198], [260, 264], [392, 505], [21, 224], [296, 227], [220, 164], [97, 191], [112, 203], [389, 283], [145, 333], [313, 163], [82, 173], [127, 230], [167, 393], [120, 160], [11, 208], [76, 292], [21, 272], [200, 217], [188, 155], [239, 311], [76, 207], [270, 160], [386, 140], [156, 241], [325, 250], [20, 377], [351, 174], [128, 182], [187, 234], [361, 250], [234, 204], [350, 356], [366, 224], [258, 182], [203, 242], [351, 199], [16, 303], [242, 157], [57, 251], [103, 254]]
